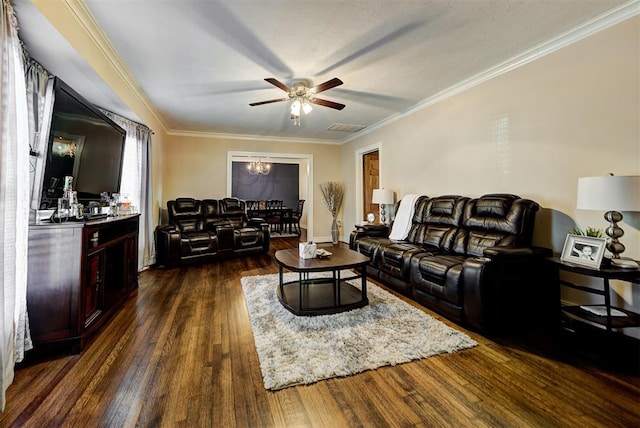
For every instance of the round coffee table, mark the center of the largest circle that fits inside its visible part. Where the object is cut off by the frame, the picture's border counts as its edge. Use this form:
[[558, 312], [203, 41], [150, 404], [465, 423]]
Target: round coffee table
[[325, 295]]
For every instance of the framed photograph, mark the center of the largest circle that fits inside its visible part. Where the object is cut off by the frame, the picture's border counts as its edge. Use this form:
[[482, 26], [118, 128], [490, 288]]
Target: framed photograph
[[583, 250]]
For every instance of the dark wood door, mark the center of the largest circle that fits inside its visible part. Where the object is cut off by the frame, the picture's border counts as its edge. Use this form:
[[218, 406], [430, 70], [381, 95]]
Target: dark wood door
[[370, 181]]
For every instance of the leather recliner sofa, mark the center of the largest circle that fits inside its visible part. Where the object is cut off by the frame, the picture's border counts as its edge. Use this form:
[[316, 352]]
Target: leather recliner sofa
[[468, 259], [202, 230]]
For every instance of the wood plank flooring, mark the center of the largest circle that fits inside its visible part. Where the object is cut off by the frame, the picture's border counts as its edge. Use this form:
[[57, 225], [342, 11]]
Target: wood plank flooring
[[181, 354]]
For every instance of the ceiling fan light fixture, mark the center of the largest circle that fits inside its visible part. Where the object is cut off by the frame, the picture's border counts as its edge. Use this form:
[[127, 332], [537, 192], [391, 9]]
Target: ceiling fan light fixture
[[306, 107]]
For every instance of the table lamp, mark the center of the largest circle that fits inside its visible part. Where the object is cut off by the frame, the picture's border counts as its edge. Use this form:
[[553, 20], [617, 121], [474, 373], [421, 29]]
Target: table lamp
[[614, 194], [382, 197]]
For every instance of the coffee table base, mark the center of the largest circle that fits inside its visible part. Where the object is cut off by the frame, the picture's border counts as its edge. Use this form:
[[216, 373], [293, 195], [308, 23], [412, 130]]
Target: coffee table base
[[321, 296]]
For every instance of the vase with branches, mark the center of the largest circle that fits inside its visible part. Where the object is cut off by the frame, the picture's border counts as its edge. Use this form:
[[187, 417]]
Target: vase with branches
[[333, 194]]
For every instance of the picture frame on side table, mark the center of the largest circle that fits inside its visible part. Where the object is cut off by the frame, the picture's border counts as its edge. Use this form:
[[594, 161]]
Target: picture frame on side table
[[583, 250]]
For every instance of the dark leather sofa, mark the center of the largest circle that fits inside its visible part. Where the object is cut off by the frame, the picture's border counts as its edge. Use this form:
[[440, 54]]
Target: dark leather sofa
[[468, 259], [201, 230]]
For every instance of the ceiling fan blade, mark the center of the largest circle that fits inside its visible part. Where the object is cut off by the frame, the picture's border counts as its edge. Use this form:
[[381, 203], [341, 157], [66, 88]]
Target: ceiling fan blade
[[326, 85], [279, 84], [268, 102], [327, 103]]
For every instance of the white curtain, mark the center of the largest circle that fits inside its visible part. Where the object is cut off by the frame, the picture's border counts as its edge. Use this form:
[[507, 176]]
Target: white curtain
[[14, 194], [39, 85], [136, 182]]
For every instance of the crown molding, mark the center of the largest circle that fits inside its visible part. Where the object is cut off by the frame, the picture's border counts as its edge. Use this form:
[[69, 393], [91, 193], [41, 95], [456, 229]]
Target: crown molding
[[83, 17], [589, 28], [265, 138]]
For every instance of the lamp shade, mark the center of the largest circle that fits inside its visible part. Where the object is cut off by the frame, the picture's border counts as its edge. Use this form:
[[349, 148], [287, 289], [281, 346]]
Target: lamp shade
[[617, 193], [382, 196]]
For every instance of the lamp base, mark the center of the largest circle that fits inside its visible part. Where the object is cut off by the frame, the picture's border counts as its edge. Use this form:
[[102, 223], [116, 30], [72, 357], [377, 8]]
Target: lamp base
[[614, 232], [625, 263]]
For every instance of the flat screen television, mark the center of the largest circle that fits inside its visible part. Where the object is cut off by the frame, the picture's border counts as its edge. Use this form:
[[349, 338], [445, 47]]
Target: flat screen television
[[84, 144]]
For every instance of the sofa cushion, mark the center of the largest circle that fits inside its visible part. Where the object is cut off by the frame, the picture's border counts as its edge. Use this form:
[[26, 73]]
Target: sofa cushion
[[440, 218], [501, 213], [247, 237], [495, 220], [439, 236], [232, 206], [477, 240], [492, 206], [184, 207], [370, 246], [198, 242], [395, 258], [417, 228], [236, 221], [211, 213], [185, 214], [189, 225]]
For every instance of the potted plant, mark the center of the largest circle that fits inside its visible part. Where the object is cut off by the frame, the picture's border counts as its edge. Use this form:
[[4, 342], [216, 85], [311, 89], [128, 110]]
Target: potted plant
[[333, 194]]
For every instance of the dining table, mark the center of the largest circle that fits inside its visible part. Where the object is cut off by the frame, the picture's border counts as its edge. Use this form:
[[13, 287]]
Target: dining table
[[285, 214]]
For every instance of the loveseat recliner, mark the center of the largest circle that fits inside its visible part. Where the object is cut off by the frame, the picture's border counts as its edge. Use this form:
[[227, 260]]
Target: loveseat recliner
[[201, 230], [468, 259]]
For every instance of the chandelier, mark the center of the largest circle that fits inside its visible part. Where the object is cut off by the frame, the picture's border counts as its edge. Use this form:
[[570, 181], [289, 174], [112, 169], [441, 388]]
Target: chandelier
[[64, 147], [259, 168]]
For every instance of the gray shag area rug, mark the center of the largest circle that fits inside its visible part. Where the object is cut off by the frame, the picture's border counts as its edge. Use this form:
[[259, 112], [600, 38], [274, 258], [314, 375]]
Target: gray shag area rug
[[296, 350]]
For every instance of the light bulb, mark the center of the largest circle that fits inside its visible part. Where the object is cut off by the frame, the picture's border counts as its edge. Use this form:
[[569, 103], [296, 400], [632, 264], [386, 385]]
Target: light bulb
[[306, 107], [295, 108]]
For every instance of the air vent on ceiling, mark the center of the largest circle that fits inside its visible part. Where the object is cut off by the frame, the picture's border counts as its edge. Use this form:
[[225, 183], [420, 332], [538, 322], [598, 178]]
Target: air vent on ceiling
[[342, 127]]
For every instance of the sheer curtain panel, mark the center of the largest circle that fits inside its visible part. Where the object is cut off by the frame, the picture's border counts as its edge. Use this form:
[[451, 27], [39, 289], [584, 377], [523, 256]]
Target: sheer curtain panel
[[40, 99], [14, 190], [136, 182]]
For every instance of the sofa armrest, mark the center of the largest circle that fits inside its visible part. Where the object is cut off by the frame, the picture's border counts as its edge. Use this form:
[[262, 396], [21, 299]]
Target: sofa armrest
[[367, 230], [213, 226], [167, 228], [509, 288], [373, 229], [167, 244], [507, 252], [512, 252], [257, 222]]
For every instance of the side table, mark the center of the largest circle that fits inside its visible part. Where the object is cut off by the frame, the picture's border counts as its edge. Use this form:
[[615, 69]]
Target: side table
[[606, 321], [372, 227]]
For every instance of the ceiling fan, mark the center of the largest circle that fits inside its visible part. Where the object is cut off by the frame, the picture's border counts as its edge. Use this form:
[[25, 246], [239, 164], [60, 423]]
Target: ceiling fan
[[303, 96]]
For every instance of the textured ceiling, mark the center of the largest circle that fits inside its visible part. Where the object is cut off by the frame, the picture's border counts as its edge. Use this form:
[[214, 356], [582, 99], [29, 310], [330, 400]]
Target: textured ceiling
[[200, 63]]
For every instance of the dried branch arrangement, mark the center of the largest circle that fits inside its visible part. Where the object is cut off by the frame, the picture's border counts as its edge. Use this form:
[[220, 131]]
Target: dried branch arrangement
[[333, 194]]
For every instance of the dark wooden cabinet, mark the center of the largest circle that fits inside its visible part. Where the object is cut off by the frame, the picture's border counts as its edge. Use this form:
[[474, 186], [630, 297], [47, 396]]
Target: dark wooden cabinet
[[79, 275]]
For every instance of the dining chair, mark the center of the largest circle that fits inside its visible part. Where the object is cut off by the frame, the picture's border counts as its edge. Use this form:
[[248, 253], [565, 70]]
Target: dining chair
[[296, 216], [274, 215], [252, 208]]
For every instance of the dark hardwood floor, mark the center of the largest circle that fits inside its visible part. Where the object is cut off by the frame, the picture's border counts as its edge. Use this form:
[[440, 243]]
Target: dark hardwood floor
[[181, 353]]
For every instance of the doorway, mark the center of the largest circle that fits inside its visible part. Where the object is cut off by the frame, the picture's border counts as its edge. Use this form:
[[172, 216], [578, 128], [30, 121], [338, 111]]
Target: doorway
[[370, 181], [305, 179], [367, 178]]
